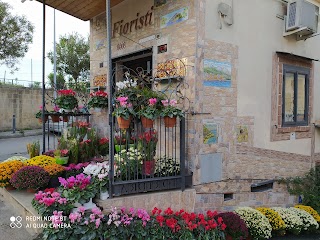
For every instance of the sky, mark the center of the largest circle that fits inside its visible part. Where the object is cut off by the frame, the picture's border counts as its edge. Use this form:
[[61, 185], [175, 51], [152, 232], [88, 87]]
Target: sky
[[65, 24]]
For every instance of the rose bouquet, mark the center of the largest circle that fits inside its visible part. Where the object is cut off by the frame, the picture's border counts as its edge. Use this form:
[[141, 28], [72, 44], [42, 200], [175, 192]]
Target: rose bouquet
[[32, 177]]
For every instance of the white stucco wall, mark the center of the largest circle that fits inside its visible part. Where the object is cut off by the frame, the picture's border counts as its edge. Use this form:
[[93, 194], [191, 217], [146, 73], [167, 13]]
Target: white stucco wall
[[258, 33]]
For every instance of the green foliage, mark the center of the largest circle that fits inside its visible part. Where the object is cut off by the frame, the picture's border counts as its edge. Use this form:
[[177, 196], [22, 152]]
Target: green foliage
[[307, 186], [67, 102], [16, 35], [73, 58], [60, 81]]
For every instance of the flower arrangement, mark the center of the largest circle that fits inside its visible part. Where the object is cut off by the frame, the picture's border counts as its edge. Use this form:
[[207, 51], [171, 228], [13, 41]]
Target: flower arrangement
[[128, 163], [103, 146], [33, 177], [66, 99], [54, 170], [150, 111], [170, 109], [275, 220], [33, 149], [7, 169], [166, 166], [310, 210], [98, 99], [16, 158], [123, 108], [236, 227], [41, 161], [78, 188], [257, 224], [99, 173], [147, 144], [308, 222], [47, 201], [291, 219]]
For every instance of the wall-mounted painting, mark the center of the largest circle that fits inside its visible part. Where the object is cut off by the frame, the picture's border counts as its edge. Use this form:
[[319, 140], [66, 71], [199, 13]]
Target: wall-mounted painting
[[217, 74], [174, 17], [210, 133]]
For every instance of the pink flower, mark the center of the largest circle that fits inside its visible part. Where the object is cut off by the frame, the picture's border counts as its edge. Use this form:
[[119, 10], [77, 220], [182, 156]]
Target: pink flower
[[165, 102], [173, 102], [152, 101], [73, 217], [55, 194], [49, 201], [82, 209], [62, 200], [56, 108], [98, 221], [96, 211]]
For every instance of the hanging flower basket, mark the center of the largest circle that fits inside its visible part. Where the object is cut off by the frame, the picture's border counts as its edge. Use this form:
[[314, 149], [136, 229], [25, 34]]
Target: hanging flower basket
[[55, 118], [123, 123], [146, 122], [170, 122], [65, 118]]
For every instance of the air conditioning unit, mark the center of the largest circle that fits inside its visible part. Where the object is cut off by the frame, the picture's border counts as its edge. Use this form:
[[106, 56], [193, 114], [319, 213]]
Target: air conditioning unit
[[302, 14]]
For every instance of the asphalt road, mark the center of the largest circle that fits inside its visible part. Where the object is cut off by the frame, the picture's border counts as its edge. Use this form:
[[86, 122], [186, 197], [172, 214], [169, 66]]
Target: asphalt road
[[18, 146]]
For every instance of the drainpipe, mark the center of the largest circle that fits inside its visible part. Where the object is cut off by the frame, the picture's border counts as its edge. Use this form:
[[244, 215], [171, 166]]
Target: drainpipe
[[43, 76]]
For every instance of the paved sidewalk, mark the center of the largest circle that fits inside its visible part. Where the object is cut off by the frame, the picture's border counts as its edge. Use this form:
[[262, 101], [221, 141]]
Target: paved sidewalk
[[18, 134]]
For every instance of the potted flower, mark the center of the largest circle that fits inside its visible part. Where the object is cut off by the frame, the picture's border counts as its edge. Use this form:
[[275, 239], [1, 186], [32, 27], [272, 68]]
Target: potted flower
[[123, 111], [235, 227], [41, 161], [61, 156], [98, 100], [66, 100], [149, 113], [55, 116], [39, 115], [55, 171], [7, 169], [103, 146], [147, 144], [170, 112], [30, 178]]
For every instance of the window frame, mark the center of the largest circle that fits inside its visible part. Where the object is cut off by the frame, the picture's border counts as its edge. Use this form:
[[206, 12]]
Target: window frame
[[296, 70]]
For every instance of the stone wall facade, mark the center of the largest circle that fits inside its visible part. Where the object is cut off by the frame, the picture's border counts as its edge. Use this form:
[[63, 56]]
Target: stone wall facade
[[23, 103]]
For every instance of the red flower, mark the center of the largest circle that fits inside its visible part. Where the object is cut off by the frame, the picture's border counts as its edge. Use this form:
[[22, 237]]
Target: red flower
[[49, 190], [160, 220], [103, 141], [168, 211], [66, 92]]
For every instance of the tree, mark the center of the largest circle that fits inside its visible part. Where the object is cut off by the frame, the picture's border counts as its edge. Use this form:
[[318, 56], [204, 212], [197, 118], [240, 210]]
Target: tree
[[16, 35], [72, 57], [60, 83]]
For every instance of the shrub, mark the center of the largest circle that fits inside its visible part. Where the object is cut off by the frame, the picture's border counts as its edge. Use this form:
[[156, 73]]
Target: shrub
[[274, 219], [311, 211], [293, 222], [309, 223], [258, 225], [236, 227], [41, 161], [7, 169], [30, 177]]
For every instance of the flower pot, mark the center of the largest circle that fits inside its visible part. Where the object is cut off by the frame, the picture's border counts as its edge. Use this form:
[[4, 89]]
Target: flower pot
[[89, 205], [148, 167], [62, 160], [45, 119], [123, 123], [64, 110], [104, 195], [65, 118], [118, 148], [146, 122], [9, 187], [170, 122], [55, 118], [53, 182], [31, 190], [96, 109]]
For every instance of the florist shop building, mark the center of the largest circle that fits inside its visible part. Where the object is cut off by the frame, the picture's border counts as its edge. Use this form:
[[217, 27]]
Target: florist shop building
[[247, 89]]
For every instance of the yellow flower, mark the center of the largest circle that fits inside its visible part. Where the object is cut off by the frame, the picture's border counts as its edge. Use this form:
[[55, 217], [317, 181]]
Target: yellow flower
[[41, 161], [7, 169], [54, 169], [311, 211], [274, 218]]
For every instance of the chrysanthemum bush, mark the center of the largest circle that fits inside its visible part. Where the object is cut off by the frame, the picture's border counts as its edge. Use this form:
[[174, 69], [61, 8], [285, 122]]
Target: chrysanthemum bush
[[236, 227], [54, 169], [7, 169], [275, 220], [18, 158], [293, 222], [30, 177], [308, 222], [41, 161], [311, 211], [258, 225]]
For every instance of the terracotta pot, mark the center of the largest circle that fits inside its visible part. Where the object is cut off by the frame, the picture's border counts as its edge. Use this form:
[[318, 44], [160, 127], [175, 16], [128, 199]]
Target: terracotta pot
[[10, 187], [55, 118], [65, 118], [170, 122], [123, 123], [146, 122], [31, 190], [148, 167], [45, 119]]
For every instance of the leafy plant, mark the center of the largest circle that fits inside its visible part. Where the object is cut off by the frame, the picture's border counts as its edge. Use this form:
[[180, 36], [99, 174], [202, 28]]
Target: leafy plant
[[30, 177], [150, 110], [123, 108], [98, 99], [66, 99], [33, 149], [170, 110]]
